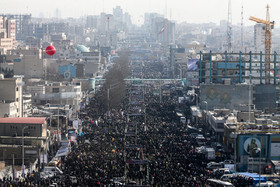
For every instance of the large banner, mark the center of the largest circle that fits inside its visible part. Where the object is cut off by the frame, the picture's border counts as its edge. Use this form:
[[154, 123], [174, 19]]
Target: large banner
[[252, 144], [192, 64]]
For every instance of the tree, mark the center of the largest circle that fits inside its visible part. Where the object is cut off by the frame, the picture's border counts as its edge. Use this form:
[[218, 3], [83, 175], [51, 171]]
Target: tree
[[113, 90]]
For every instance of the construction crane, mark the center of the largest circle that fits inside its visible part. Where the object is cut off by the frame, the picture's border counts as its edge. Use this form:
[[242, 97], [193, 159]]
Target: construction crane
[[268, 26]]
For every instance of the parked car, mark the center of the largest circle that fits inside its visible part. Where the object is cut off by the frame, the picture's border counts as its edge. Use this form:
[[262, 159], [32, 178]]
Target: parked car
[[193, 135], [228, 162], [54, 162], [46, 174], [200, 140], [221, 171], [226, 177], [213, 165], [55, 170]]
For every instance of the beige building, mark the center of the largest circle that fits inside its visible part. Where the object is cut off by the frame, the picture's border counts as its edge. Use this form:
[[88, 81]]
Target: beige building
[[92, 63], [30, 67], [27, 62], [6, 44], [32, 132], [11, 92], [7, 34]]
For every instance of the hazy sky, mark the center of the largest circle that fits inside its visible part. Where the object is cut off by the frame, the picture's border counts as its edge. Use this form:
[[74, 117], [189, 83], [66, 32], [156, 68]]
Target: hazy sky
[[192, 11]]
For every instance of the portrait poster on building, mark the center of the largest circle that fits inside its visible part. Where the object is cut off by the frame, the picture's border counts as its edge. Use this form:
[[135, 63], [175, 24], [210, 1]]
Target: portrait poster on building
[[253, 145]]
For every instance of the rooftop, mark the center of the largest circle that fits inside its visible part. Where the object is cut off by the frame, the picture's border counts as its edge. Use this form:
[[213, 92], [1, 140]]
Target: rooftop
[[23, 120]]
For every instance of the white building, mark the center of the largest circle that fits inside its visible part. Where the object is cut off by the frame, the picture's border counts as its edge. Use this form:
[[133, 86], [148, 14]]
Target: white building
[[57, 93]]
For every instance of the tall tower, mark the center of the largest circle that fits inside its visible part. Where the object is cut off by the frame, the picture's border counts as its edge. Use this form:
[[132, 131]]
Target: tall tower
[[229, 27]]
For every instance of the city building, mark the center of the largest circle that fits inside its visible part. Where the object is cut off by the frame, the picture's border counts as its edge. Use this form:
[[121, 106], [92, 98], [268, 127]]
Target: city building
[[30, 132], [7, 34], [27, 62], [92, 21], [57, 93], [11, 96], [237, 67], [259, 37], [22, 25]]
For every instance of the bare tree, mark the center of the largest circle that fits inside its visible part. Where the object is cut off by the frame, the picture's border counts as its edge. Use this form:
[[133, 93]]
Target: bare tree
[[113, 91]]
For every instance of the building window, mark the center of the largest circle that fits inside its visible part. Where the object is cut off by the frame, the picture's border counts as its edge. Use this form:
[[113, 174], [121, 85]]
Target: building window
[[55, 90]]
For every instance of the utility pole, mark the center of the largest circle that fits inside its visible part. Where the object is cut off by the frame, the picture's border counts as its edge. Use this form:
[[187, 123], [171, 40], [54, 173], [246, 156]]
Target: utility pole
[[23, 167], [13, 166], [58, 125]]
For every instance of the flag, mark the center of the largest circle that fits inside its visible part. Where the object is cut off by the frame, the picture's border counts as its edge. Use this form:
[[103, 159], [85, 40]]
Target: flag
[[162, 30]]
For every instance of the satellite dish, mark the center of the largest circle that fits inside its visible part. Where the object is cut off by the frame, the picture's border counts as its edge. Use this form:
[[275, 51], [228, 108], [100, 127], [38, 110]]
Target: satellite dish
[[67, 75]]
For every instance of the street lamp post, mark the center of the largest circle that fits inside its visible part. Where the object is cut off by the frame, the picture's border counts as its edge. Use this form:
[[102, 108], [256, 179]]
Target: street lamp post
[[112, 86], [108, 98], [235, 155], [206, 105], [58, 124], [22, 133], [206, 119], [260, 152], [196, 104], [196, 99]]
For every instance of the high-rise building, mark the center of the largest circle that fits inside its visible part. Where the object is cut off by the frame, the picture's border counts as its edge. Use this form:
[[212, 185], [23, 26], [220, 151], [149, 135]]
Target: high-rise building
[[118, 14], [22, 22], [7, 34], [57, 14], [106, 23], [165, 31], [92, 21], [259, 37]]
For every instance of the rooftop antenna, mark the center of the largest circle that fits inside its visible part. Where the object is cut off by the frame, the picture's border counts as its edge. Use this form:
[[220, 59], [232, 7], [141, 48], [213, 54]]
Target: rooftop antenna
[[242, 29], [103, 5], [229, 27], [165, 10]]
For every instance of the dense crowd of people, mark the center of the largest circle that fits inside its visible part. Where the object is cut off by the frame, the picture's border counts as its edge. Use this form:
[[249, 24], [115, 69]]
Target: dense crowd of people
[[160, 151]]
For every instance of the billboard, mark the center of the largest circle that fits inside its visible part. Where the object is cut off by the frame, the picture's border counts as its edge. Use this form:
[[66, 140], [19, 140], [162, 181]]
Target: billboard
[[192, 64], [275, 147], [252, 145]]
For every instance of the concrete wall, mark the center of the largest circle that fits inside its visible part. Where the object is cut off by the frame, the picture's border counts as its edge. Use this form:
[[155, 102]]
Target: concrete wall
[[30, 67], [91, 69], [265, 96], [223, 96], [35, 130], [232, 96], [8, 89]]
